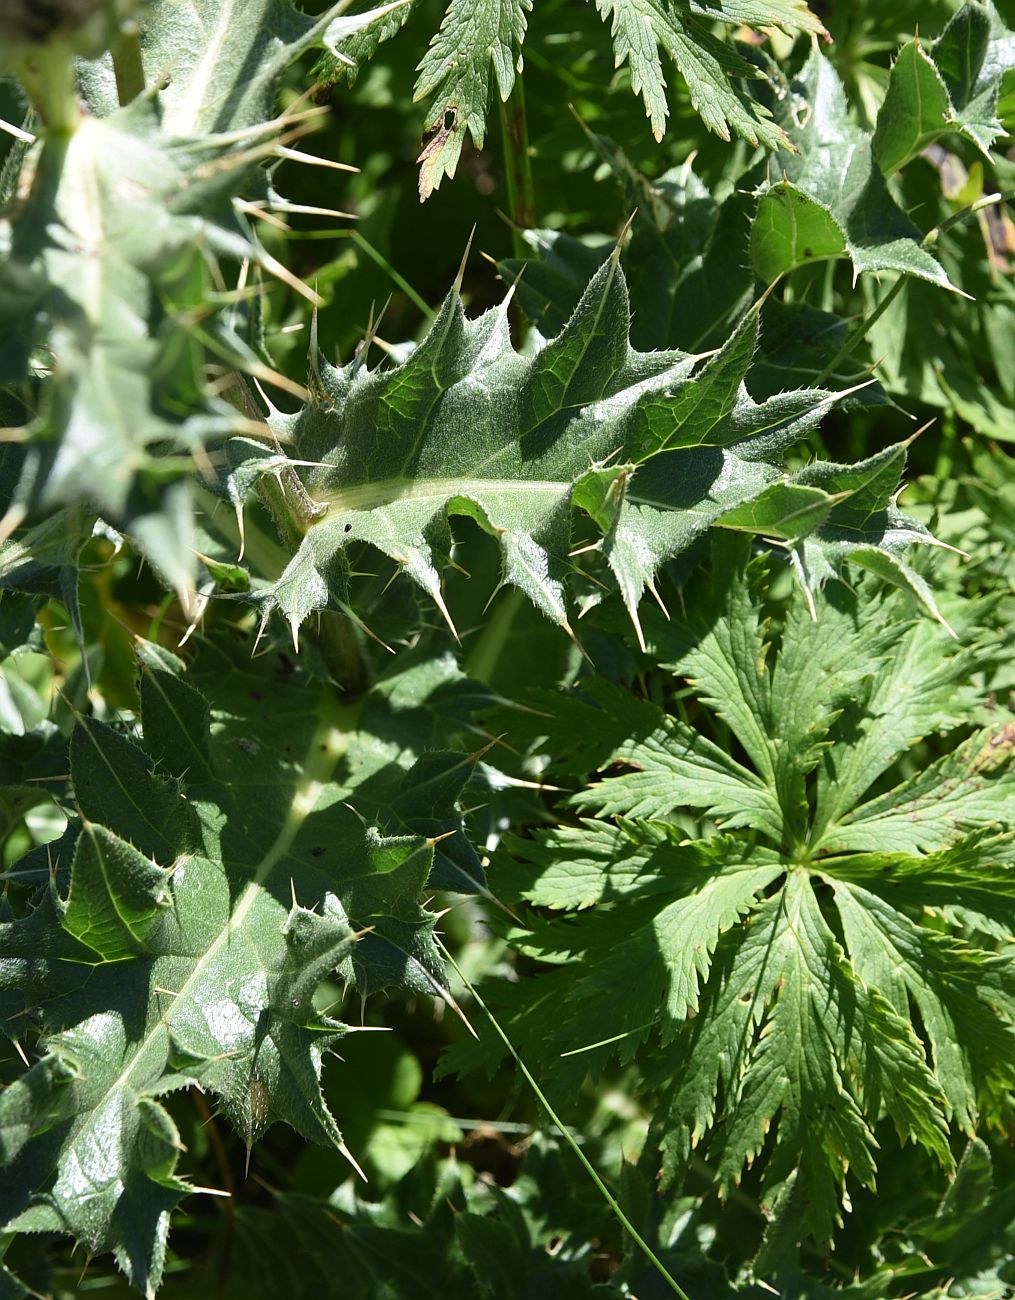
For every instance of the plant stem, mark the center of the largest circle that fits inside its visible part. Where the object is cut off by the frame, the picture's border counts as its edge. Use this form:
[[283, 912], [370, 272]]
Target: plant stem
[[985, 201], [342, 649], [565, 1132], [48, 77], [517, 165], [127, 65], [859, 332], [486, 650], [362, 243], [929, 240]]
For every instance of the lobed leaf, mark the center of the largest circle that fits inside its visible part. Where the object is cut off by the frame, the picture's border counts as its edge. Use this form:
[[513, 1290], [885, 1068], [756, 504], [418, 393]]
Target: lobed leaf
[[652, 449], [789, 985], [219, 876]]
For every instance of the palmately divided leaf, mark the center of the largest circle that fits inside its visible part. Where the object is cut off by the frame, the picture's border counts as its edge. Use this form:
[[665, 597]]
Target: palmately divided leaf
[[672, 764], [798, 1024], [771, 976], [966, 999], [653, 449], [219, 876]]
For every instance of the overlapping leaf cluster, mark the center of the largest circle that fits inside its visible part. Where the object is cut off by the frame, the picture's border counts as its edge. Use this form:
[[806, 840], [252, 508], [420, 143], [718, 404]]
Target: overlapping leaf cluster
[[775, 905], [845, 194], [477, 53]]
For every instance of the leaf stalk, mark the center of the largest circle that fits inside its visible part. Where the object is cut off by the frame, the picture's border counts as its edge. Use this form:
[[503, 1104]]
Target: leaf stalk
[[518, 165]]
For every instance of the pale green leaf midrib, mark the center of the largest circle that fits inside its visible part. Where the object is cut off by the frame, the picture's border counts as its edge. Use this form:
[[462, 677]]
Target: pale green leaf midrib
[[387, 492], [328, 743]]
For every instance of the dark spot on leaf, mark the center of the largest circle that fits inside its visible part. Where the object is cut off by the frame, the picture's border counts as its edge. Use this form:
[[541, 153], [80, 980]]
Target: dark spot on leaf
[[285, 665], [255, 695], [317, 850], [808, 252], [348, 528]]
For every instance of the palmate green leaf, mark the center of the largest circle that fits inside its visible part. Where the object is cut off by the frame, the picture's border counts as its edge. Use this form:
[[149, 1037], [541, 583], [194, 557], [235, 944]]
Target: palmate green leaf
[[602, 727], [477, 53], [654, 449], [769, 969], [799, 1043], [219, 876]]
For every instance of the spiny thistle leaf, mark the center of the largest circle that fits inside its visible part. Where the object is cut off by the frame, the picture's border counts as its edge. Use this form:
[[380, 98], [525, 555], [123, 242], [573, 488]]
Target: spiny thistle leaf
[[219, 875], [223, 60], [653, 447], [112, 265]]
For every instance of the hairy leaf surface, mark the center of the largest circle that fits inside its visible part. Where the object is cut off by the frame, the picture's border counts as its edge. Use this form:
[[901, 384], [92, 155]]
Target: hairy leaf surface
[[653, 447], [219, 875]]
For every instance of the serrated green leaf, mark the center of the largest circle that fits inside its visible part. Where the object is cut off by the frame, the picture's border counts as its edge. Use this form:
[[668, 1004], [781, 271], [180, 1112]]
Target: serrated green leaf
[[965, 999], [641, 28], [830, 198], [653, 449], [478, 46], [969, 788]]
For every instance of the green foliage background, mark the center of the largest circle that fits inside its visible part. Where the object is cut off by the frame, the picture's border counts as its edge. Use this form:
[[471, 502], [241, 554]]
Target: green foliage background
[[389, 639]]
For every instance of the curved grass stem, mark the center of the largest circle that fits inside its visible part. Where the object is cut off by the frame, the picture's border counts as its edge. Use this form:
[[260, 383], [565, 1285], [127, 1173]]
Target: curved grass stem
[[568, 1137]]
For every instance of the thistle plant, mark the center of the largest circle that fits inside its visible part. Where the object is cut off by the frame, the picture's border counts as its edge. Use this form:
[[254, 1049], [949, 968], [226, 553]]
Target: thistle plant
[[565, 691]]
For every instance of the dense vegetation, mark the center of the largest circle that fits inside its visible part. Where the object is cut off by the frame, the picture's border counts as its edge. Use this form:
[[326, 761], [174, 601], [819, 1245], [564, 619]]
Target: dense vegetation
[[507, 704]]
